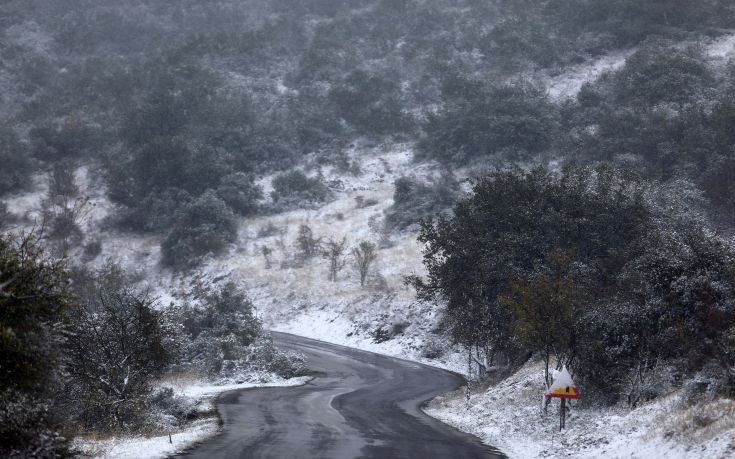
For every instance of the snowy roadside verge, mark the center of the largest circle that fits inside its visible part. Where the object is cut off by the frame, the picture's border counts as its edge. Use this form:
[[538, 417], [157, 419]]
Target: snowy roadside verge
[[333, 327], [508, 417], [141, 447]]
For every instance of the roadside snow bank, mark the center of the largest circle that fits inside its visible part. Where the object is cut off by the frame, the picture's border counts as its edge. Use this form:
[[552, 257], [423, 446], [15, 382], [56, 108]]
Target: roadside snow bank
[[508, 417], [196, 432]]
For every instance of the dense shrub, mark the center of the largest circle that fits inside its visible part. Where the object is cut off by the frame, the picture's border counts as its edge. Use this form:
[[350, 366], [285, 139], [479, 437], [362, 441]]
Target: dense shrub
[[414, 200], [514, 122], [226, 317], [172, 410], [162, 164], [205, 226], [157, 212], [240, 193], [34, 298], [662, 114], [295, 189], [660, 73], [370, 103], [16, 166], [226, 340], [265, 356], [68, 140], [25, 428]]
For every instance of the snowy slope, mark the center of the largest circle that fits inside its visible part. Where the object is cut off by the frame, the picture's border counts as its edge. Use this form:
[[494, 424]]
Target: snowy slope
[[509, 417], [291, 297], [568, 83]]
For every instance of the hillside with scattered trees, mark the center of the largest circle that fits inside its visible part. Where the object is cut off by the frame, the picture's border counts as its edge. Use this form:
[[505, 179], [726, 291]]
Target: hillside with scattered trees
[[491, 182]]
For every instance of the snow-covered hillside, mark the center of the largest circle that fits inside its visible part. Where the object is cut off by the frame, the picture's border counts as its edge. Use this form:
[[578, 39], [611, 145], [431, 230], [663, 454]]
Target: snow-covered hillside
[[297, 297], [567, 83], [509, 416]]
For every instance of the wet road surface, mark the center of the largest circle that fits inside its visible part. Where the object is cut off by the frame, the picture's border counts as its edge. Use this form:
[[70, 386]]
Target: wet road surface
[[360, 405]]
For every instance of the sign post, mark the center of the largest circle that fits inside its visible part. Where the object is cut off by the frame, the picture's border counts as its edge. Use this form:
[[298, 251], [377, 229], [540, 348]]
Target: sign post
[[563, 388]]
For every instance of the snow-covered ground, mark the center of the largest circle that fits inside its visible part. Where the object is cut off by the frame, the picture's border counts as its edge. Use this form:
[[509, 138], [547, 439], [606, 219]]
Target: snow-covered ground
[[568, 84], [509, 416], [162, 446], [722, 47]]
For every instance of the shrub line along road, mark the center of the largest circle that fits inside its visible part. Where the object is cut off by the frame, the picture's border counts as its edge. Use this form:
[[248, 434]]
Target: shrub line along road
[[360, 405]]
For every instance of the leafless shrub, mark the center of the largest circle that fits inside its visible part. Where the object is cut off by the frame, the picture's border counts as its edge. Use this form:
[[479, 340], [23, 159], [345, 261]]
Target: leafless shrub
[[364, 255], [334, 252]]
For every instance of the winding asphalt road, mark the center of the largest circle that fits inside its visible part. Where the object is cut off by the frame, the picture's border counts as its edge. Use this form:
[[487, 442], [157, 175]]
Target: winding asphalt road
[[360, 405]]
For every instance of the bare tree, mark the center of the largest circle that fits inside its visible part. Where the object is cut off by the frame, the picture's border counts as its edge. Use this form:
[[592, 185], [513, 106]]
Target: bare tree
[[266, 251], [365, 254], [334, 252], [307, 244]]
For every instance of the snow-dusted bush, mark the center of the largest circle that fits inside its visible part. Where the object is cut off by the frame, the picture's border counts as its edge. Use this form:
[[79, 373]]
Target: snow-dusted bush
[[92, 249], [265, 356], [64, 210], [370, 102], [117, 345], [171, 410], [414, 200], [240, 193], [433, 347], [307, 245], [270, 229], [16, 166], [225, 339], [34, 297], [219, 330], [25, 428], [294, 189], [206, 226], [157, 211]]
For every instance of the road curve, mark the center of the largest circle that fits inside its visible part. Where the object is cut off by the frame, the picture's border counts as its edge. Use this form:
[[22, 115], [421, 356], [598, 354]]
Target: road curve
[[360, 405]]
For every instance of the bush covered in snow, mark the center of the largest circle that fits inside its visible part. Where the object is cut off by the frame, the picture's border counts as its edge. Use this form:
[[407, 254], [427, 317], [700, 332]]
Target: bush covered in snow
[[509, 121], [414, 200], [294, 189], [219, 330], [171, 410], [240, 193], [224, 339], [205, 226], [27, 428], [17, 166], [34, 299], [117, 345]]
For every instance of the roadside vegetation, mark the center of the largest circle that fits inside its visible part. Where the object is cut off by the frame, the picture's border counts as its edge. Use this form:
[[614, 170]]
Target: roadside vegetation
[[635, 299], [83, 351]]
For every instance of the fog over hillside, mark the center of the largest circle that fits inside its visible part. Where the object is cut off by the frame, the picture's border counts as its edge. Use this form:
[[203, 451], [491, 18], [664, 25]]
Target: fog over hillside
[[499, 188]]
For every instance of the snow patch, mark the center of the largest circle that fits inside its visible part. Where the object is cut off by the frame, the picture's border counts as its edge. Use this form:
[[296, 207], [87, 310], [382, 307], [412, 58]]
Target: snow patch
[[721, 48], [569, 83]]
